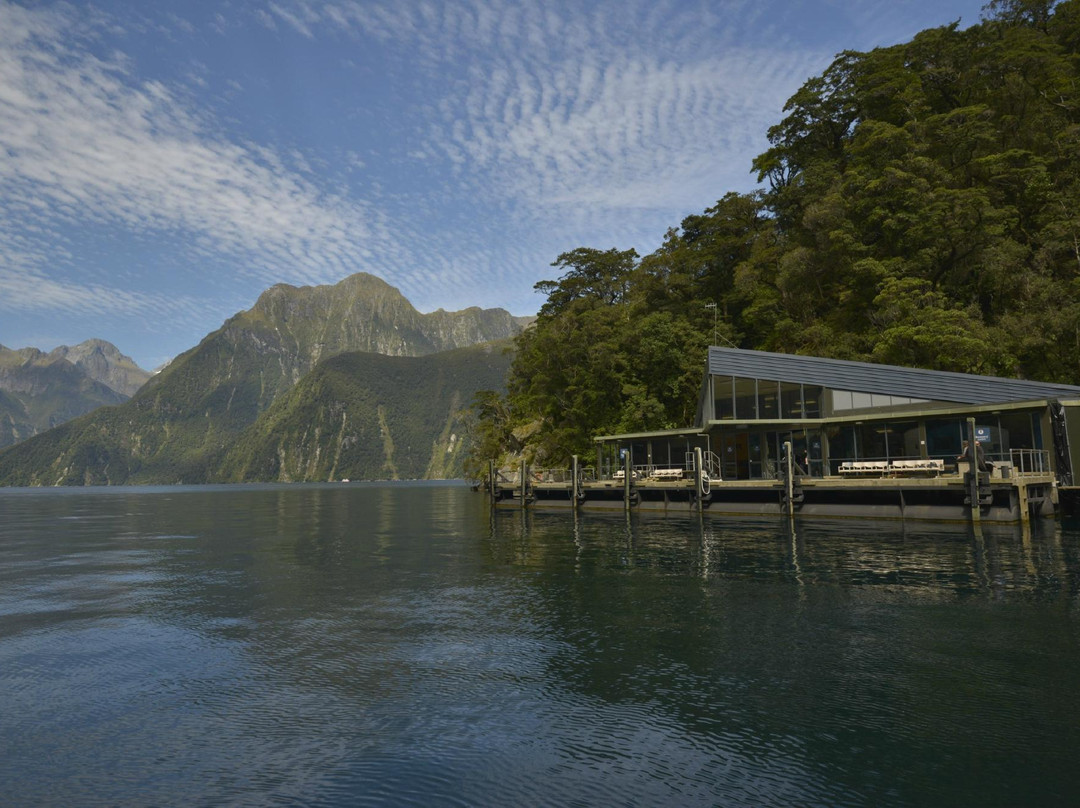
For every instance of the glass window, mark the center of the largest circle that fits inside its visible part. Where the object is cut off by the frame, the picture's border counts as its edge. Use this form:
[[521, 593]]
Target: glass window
[[725, 405], [768, 399], [791, 400], [745, 398], [943, 437], [872, 441], [756, 450], [1016, 431], [812, 400], [902, 439], [841, 445]]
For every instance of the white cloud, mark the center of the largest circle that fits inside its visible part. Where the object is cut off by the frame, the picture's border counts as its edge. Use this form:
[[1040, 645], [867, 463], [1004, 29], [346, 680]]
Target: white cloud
[[84, 142]]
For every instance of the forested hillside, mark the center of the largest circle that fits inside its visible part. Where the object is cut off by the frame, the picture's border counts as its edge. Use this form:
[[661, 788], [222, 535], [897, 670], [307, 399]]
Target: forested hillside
[[365, 416], [920, 206], [182, 423]]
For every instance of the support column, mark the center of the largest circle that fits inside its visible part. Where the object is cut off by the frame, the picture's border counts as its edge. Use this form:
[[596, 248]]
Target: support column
[[627, 475], [574, 482], [789, 479], [524, 481], [699, 464], [973, 478]]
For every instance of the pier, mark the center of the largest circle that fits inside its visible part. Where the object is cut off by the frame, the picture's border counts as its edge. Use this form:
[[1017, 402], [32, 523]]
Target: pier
[[1013, 491]]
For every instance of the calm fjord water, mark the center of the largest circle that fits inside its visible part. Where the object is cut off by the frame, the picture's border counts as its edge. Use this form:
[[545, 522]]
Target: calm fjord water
[[399, 644]]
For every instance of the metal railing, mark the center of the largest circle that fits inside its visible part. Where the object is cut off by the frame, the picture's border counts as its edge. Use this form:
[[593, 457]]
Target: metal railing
[[1030, 462]]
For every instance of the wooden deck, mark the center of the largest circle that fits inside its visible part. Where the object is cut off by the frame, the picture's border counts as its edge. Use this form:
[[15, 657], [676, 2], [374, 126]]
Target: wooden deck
[[892, 493]]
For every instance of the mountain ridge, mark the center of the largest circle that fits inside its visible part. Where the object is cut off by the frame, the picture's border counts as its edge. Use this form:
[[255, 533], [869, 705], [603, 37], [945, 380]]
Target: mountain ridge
[[42, 390], [181, 424]]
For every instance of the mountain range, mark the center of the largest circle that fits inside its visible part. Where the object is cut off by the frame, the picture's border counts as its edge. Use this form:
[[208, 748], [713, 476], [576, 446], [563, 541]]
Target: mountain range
[[213, 413], [39, 390]]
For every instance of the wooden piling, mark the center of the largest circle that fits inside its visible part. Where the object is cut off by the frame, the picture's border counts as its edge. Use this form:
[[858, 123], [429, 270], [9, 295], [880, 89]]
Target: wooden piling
[[973, 479], [789, 479]]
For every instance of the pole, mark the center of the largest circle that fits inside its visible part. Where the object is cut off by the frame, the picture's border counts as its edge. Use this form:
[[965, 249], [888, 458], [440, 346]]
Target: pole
[[699, 463], [789, 480], [574, 482], [973, 479], [524, 477]]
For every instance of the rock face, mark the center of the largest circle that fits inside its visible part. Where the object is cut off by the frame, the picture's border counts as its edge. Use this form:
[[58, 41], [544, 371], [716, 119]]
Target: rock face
[[181, 424], [39, 391], [102, 362], [365, 416]]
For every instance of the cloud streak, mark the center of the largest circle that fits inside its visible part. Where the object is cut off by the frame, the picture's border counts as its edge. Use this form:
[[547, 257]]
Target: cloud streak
[[84, 142], [471, 142]]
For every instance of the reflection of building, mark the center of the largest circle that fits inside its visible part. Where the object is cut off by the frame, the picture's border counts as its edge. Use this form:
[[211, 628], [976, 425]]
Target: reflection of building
[[863, 437]]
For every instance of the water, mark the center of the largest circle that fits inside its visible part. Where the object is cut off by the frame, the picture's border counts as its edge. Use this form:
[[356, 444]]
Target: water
[[398, 644]]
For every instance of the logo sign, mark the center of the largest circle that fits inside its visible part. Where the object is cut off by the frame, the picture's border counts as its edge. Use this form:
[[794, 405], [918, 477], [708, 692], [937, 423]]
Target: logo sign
[[982, 434]]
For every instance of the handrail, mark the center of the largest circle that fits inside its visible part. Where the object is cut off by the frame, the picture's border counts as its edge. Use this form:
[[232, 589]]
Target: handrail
[[1030, 462]]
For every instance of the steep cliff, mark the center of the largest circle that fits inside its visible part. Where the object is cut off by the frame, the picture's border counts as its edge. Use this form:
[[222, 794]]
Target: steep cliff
[[182, 423]]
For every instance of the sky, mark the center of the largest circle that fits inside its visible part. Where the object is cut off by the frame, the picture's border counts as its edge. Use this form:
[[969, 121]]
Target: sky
[[162, 163]]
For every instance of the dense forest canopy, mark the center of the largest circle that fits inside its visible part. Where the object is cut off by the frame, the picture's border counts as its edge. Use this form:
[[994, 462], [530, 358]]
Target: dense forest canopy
[[920, 207]]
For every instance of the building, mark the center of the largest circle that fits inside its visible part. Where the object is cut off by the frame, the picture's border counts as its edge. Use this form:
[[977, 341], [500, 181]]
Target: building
[[778, 432]]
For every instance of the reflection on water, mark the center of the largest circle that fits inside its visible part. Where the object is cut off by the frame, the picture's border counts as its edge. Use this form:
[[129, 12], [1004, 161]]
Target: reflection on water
[[401, 644]]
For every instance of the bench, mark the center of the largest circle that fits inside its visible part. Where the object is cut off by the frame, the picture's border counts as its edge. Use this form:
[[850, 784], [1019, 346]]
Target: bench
[[667, 474], [882, 467]]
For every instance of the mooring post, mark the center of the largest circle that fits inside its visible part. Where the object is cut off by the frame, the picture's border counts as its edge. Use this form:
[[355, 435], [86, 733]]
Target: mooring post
[[789, 478], [627, 474], [524, 478], [491, 480], [574, 481], [699, 463], [973, 480]]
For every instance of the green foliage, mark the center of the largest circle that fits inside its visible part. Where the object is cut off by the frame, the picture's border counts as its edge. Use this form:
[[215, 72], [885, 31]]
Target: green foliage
[[183, 424], [923, 209], [365, 416]]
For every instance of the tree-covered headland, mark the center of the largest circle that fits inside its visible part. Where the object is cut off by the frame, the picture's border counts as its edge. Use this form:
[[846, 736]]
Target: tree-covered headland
[[920, 206]]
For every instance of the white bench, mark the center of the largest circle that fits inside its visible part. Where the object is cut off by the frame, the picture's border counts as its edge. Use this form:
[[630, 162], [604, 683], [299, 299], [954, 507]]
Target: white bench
[[935, 465], [667, 474], [864, 467]]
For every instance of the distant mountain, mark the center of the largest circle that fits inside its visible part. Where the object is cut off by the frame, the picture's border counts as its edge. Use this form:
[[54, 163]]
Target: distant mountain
[[366, 416], [39, 391], [102, 362], [180, 426]]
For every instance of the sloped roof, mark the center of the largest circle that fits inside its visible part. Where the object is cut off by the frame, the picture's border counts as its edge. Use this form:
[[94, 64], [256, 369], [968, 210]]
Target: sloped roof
[[865, 377]]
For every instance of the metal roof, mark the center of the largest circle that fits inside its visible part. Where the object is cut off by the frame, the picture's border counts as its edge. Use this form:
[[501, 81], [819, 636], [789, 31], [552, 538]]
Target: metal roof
[[865, 377]]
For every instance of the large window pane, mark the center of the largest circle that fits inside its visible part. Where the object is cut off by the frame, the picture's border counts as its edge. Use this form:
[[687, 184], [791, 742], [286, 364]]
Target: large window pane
[[791, 400], [745, 398], [902, 439], [1017, 432], [768, 399], [724, 403], [812, 400], [841, 446], [872, 443], [943, 437]]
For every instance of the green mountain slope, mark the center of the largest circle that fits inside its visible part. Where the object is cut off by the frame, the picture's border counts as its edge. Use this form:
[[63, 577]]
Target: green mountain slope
[[179, 426], [39, 391], [366, 416]]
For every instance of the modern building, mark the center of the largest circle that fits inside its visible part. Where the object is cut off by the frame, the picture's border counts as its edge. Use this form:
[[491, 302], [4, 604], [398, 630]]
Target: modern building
[[834, 412], [780, 433]]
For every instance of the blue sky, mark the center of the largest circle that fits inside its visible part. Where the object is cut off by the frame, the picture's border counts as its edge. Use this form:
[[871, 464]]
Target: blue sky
[[162, 163]]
